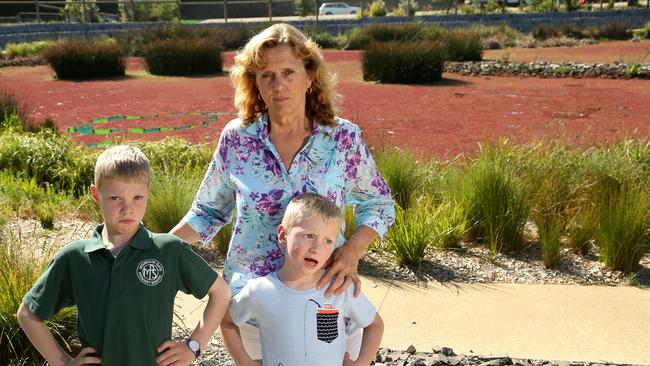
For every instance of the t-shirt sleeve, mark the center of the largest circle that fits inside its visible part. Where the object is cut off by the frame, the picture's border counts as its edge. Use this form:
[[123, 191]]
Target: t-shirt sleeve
[[195, 275], [241, 306], [359, 308], [52, 291]]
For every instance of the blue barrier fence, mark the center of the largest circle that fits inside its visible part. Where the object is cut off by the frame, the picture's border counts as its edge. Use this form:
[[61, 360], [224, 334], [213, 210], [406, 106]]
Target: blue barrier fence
[[522, 22]]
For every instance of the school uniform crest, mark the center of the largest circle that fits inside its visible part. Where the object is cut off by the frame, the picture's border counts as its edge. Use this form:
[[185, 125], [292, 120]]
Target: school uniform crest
[[150, 272]]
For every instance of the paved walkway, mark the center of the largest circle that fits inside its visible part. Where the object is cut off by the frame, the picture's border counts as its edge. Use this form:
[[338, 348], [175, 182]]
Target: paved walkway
[[555, 322]]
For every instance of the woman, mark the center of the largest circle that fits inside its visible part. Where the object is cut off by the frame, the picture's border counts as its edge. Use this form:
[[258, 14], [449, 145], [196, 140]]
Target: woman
[[286, 141]]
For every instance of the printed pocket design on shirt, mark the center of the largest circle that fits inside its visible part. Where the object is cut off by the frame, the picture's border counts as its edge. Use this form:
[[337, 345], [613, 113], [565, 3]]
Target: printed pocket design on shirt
[[327, 323]]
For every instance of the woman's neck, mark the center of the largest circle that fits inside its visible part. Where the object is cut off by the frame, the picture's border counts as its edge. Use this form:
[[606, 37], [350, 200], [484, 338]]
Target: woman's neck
[[289, 125]]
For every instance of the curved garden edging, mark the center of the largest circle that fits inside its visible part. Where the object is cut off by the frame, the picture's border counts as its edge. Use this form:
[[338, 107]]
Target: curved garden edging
[[614, 70]]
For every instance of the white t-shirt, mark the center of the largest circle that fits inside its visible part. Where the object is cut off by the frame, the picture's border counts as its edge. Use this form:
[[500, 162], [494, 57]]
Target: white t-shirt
[[300, 327]]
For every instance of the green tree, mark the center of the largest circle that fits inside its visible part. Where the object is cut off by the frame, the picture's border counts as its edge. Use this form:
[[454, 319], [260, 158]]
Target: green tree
[[82, 11], [306, 7]]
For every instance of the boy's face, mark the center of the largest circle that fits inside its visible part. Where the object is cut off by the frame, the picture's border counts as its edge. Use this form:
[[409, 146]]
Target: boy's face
[[123, 204], [309, 244]]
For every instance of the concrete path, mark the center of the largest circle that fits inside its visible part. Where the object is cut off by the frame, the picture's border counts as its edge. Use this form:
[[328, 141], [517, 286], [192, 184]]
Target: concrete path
[[554, 322]]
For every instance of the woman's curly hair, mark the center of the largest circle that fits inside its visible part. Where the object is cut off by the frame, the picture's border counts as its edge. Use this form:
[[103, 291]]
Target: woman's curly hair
[[320, 102]]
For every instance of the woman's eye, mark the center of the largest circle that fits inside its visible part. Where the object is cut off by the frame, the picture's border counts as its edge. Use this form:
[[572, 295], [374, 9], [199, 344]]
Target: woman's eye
[[309, 236], [115, 198], [137, 198]]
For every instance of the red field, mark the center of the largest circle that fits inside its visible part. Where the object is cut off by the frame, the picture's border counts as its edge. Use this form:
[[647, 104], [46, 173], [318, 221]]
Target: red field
[[443, 120]]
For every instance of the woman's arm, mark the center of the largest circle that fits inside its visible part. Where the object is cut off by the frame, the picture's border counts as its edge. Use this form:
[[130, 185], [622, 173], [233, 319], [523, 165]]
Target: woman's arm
[[184, 231], [374, 208]]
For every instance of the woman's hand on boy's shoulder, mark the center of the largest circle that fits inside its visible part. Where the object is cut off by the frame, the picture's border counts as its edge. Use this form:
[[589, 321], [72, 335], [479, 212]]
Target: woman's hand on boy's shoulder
[[84, 358], [174, 353]]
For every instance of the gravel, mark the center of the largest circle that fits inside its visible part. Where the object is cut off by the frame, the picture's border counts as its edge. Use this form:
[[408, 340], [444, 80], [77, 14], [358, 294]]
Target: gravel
[[470, 263]]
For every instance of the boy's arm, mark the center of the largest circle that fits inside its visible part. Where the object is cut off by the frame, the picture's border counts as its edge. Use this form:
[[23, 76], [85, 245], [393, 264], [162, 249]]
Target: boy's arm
[[369, 343], [46, 345], [218, 299], [232, 340]]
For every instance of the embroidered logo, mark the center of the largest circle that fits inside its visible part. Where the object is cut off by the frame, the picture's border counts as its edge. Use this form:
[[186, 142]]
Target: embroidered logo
[[150, 272]]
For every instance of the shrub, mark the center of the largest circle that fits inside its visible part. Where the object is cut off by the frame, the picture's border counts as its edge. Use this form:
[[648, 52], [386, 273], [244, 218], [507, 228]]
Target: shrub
[[235, 38], [168, 11], [492, 197], [356, 39], [14, 114], [623, 223], [463, 45], [611, 31], [134, 11], [406, 8], [408, 63], [221, 241], [449, 225], [542, 31], [48, 158], [541, 6], [170, 198], [85, 59], [176, 155], [183, 57], [133, 42], [468, 9], [19, 269], [377, 8], [27, 49], [403, 174], [305, 7], [323, 39], [409, 238], [86, 11], [581, 232], [408, 32]]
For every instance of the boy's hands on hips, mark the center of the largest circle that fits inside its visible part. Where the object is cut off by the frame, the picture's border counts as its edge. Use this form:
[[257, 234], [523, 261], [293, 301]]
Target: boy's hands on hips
[[83, 358], [174, 353], [347, 361]]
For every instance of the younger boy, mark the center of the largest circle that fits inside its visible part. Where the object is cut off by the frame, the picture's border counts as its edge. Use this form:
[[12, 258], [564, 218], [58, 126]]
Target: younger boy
[[298, 325], [123, 280]]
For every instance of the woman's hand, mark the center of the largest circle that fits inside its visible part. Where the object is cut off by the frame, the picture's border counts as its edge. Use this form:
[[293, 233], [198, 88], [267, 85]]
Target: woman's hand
[[83, 358], [342, 266], [174, 353]]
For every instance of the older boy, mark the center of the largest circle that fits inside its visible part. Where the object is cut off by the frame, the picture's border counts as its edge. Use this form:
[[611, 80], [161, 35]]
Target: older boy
[[298, 325], [123, 280]]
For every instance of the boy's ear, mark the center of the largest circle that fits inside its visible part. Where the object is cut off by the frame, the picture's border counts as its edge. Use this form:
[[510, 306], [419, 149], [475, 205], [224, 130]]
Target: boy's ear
[[282, 236], [95, 193]]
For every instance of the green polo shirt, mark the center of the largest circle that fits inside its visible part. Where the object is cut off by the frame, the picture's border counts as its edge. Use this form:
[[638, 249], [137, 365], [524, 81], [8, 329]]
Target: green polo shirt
[[125, 304]]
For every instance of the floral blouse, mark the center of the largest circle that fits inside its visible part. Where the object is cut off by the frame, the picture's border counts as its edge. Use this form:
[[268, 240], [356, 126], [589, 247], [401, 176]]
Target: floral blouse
[[247, 176]]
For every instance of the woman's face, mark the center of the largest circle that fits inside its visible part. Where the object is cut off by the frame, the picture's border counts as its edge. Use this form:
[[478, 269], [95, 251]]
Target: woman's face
[[283, 82]]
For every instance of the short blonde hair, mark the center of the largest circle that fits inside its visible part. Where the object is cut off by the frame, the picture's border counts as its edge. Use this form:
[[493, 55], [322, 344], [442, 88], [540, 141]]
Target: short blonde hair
[[308, 205], [320, 104], [122, 162]]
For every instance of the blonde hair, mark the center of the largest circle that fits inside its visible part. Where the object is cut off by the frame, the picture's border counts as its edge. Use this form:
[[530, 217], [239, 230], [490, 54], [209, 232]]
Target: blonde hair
[[320, 104], [123, 162], [308, 205]]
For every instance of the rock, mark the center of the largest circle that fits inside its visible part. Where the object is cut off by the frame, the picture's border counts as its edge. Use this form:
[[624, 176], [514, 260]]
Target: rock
[[411, 350]]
